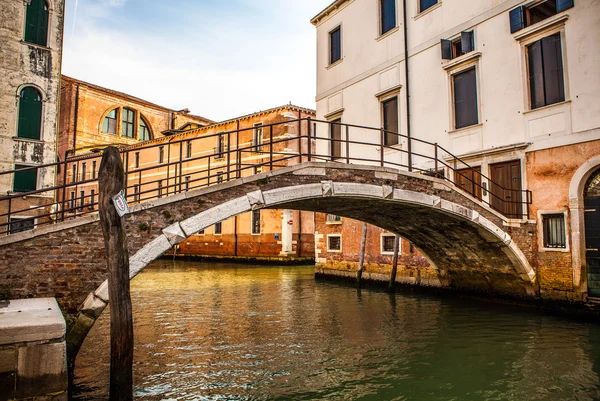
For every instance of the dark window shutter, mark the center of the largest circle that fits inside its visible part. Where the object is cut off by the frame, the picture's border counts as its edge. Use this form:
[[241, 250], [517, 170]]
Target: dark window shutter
[[335, 42], [553, 69], [30, 114], [25, 181], [388, 15], [390, 121], [517, 19], [465, 99], [536, 75], [467, 41], [446, 49], [562, 5], [36, 22]]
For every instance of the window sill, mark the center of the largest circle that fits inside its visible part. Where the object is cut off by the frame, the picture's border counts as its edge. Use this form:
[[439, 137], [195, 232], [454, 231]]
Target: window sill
[[388, 33], [334, 223], [464, 129], [333, 251], [389, 253], [338, 62], [540, 26], [430, 9], [18, 138], [35, 45], [465, 58], [560, 250], [550, 106]]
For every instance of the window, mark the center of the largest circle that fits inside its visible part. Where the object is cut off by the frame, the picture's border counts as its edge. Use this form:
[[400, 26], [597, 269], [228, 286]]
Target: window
[[20, 224], [464, 44], [546, 80], [220, 177], [187, 182], [109, 125], [94, 169], [127, 123], [25, 181], [218, 228], [425, 4], [390, 122], [160, 188], [258, 169], [83, 171], [30, 114], [387, 243], [334, 243], [257, 139], [335, 136], [161, 155], [388, 15], [554, 231], [144, 133], [256, 222], [92, 199], [525, 16], [220, 149], [188, 149], [136, 160], [465, 99], [36, 22], [136, 193], [74, 173], [81, 200], [334, 219], [72, 202], [335, 45]]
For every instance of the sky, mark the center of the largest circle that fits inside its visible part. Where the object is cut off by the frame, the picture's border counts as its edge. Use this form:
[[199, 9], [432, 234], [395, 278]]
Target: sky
[[219, 58]]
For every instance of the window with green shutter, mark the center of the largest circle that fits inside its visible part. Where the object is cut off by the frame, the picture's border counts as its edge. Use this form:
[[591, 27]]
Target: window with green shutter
[[30, 113], [127, 123], [25, 181], [36, 22]]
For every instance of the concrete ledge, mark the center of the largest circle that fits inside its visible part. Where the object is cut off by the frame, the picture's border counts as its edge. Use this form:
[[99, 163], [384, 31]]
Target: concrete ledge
[[31, 320]]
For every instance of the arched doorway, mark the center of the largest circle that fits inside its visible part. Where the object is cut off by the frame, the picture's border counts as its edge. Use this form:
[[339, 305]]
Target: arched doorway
[[592, 233]]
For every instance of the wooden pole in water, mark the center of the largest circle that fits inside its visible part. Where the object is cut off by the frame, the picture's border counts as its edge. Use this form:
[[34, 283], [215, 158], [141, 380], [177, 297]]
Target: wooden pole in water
[[392, 284], [111, 181], [361, 263]]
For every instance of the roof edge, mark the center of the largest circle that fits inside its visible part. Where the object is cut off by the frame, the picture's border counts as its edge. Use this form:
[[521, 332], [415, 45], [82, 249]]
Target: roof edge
[[331, 8]]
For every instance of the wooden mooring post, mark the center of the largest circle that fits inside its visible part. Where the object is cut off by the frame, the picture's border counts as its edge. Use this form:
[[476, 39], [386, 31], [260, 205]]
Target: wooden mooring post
[[361, 262], [392, 284], [112, 181]]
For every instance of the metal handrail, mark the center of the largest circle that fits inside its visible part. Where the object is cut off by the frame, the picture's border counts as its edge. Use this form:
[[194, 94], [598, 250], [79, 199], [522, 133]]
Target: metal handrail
[[232, 162]]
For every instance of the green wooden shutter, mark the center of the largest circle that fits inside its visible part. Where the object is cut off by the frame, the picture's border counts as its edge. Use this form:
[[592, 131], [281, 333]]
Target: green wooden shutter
[[30, 114], [25, 181], [467, 42], [36, 22], [562, 5], [517, 19], [446, 49]]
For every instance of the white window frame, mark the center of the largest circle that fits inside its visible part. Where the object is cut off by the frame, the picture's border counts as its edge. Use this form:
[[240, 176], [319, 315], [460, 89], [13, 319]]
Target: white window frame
[[381, 35], [472, 61], [329, 63], [332, 221], [329, 250], [421, 13], [383, 252], [540, 217], [258, 127], [215, 228], [252, 223], [35, 222]]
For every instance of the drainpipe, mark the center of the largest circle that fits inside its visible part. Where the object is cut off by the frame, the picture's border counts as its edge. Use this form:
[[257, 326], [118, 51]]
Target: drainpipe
[[407, 89]]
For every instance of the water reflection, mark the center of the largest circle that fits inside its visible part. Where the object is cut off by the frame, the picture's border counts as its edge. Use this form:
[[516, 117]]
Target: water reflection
[[212, 332]]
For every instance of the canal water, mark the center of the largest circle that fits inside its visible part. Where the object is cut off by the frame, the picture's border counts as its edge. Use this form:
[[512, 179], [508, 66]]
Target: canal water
[[236, 332]]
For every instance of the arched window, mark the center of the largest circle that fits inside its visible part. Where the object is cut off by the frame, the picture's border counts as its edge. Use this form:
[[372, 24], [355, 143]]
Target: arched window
[[109, 125], [30, 113], [144, 130], [127, 123], [36, 22]]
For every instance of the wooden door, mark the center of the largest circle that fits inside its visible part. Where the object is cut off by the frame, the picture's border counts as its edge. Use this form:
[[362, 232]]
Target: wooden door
[[469, 180], [592, 234], [505, 188]]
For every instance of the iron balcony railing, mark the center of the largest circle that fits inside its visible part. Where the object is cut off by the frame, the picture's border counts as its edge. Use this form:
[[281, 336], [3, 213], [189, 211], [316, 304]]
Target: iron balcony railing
[[75, 195]]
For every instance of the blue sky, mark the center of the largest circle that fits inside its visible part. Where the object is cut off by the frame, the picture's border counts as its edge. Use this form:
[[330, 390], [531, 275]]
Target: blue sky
[[220, 59]]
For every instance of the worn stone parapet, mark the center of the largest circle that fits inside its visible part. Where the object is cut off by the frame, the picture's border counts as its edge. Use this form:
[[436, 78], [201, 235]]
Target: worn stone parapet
[[33, 357]]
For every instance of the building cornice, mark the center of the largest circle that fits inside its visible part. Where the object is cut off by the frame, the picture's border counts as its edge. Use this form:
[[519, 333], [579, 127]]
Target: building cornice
[[333, 7]]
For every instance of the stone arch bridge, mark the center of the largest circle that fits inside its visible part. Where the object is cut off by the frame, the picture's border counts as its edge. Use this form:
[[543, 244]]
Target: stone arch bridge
[[470, 245]]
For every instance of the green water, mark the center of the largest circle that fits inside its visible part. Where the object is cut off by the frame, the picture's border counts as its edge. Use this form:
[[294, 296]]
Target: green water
[[235, 332]]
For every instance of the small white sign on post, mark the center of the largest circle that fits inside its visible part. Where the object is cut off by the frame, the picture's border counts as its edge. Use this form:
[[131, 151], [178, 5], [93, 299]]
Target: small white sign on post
[[120, 202]]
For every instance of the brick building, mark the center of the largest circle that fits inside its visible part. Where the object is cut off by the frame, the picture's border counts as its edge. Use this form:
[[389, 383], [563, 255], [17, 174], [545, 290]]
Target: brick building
[[31, 34], [167, 152], [509, 87]]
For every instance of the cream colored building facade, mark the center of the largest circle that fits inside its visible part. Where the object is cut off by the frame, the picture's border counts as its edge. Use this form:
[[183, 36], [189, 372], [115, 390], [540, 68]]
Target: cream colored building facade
[[509, 86], [31, 34]]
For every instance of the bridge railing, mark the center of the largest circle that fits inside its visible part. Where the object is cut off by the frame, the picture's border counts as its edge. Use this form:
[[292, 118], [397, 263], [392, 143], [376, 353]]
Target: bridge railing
[[168, 166]]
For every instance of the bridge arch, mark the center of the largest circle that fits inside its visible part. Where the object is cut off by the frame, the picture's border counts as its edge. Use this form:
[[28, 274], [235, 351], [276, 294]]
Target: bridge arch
[[469, 250]]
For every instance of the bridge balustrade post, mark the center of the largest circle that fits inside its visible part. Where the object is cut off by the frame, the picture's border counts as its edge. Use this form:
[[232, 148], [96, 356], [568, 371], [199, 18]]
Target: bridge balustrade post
[[271, 147], [228, 155], [309, 138], [300, 138], [382, 141], [436, 161], [347, 144], [180, 165]]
